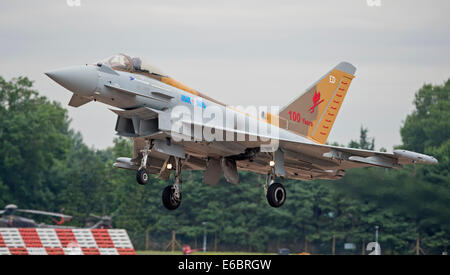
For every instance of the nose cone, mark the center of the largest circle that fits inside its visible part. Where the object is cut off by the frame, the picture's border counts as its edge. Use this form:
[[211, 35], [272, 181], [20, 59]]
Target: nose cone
[[79, 79]]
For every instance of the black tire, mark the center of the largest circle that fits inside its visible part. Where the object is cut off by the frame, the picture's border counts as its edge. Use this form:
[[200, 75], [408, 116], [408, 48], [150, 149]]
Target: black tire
[[276, 194], [168, 198], [142, 176]]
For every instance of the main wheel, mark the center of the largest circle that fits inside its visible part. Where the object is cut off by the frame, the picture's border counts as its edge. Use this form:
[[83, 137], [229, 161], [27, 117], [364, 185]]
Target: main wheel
[[142, 176], [169, 200], [276, 194]]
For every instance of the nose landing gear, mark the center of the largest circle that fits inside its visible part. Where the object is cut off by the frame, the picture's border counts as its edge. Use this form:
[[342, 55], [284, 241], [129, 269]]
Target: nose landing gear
[[141, 174], [171, 195]]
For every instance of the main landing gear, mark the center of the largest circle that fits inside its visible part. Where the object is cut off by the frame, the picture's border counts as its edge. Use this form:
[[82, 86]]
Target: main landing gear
[[275, 192], [171, 195]]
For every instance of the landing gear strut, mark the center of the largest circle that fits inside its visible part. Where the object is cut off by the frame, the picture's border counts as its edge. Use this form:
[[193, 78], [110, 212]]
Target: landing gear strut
[[142, 175], [275, 192], [171, 195]]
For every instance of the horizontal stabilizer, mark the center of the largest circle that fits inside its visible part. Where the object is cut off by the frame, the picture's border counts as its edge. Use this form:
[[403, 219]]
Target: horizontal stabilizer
[[77, 100]]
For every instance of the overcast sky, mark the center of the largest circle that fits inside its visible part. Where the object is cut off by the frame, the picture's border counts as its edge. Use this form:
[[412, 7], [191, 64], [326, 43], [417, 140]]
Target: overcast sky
[[240, 52]]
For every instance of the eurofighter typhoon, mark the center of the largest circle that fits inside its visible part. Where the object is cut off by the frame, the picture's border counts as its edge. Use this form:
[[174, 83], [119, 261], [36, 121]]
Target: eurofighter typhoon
[[175, 127]]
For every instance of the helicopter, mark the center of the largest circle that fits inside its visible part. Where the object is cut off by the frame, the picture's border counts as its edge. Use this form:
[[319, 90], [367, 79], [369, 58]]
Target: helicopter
[[105, 221], [9, 219]]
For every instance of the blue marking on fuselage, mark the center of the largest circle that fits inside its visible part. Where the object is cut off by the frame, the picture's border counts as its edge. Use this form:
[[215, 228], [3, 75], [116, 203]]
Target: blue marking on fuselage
[[200, 103], [186, 99], [189, 100]]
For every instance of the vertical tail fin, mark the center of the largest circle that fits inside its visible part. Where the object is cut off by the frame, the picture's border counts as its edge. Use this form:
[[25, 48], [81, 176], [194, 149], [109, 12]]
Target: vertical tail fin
[[313, 113]]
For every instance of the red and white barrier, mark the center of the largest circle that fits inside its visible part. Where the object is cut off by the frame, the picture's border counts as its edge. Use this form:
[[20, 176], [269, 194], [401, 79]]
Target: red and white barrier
[[55, 241]]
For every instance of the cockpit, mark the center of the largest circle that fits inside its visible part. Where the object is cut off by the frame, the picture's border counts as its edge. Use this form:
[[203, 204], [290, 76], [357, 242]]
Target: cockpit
[[132, 64], [138, 65]]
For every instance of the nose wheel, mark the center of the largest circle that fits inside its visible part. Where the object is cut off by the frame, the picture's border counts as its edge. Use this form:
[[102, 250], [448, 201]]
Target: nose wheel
[[142, 176]]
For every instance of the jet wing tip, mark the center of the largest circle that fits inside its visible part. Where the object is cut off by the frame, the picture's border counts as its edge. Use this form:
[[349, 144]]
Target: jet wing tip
[[415, 157]]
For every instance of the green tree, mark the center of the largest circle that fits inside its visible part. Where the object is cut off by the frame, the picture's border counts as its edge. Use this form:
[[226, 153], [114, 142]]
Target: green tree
[[45, 165], [364, 141], [427, 130], [429, 123], [34, 136]]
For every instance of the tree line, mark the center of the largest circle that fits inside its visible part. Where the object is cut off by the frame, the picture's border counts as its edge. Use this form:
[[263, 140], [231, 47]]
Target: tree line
[[44, 164]]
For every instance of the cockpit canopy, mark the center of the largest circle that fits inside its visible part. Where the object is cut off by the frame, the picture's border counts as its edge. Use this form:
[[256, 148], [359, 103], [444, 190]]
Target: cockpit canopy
[[132, 64]]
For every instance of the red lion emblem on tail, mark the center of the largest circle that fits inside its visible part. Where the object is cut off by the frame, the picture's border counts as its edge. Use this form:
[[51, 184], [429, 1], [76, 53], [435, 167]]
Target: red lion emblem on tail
[[316, 101]]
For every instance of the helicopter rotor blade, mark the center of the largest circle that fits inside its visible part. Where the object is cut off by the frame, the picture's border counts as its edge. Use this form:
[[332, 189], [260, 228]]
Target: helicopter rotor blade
[[95, 216], [39, 212]]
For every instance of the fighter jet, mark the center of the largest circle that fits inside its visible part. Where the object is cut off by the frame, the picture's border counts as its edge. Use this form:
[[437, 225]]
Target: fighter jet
[[175, 128]]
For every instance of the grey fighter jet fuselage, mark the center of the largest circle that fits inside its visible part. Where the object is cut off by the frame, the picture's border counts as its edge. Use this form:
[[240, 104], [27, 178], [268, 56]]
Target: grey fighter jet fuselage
[[175, 127]]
